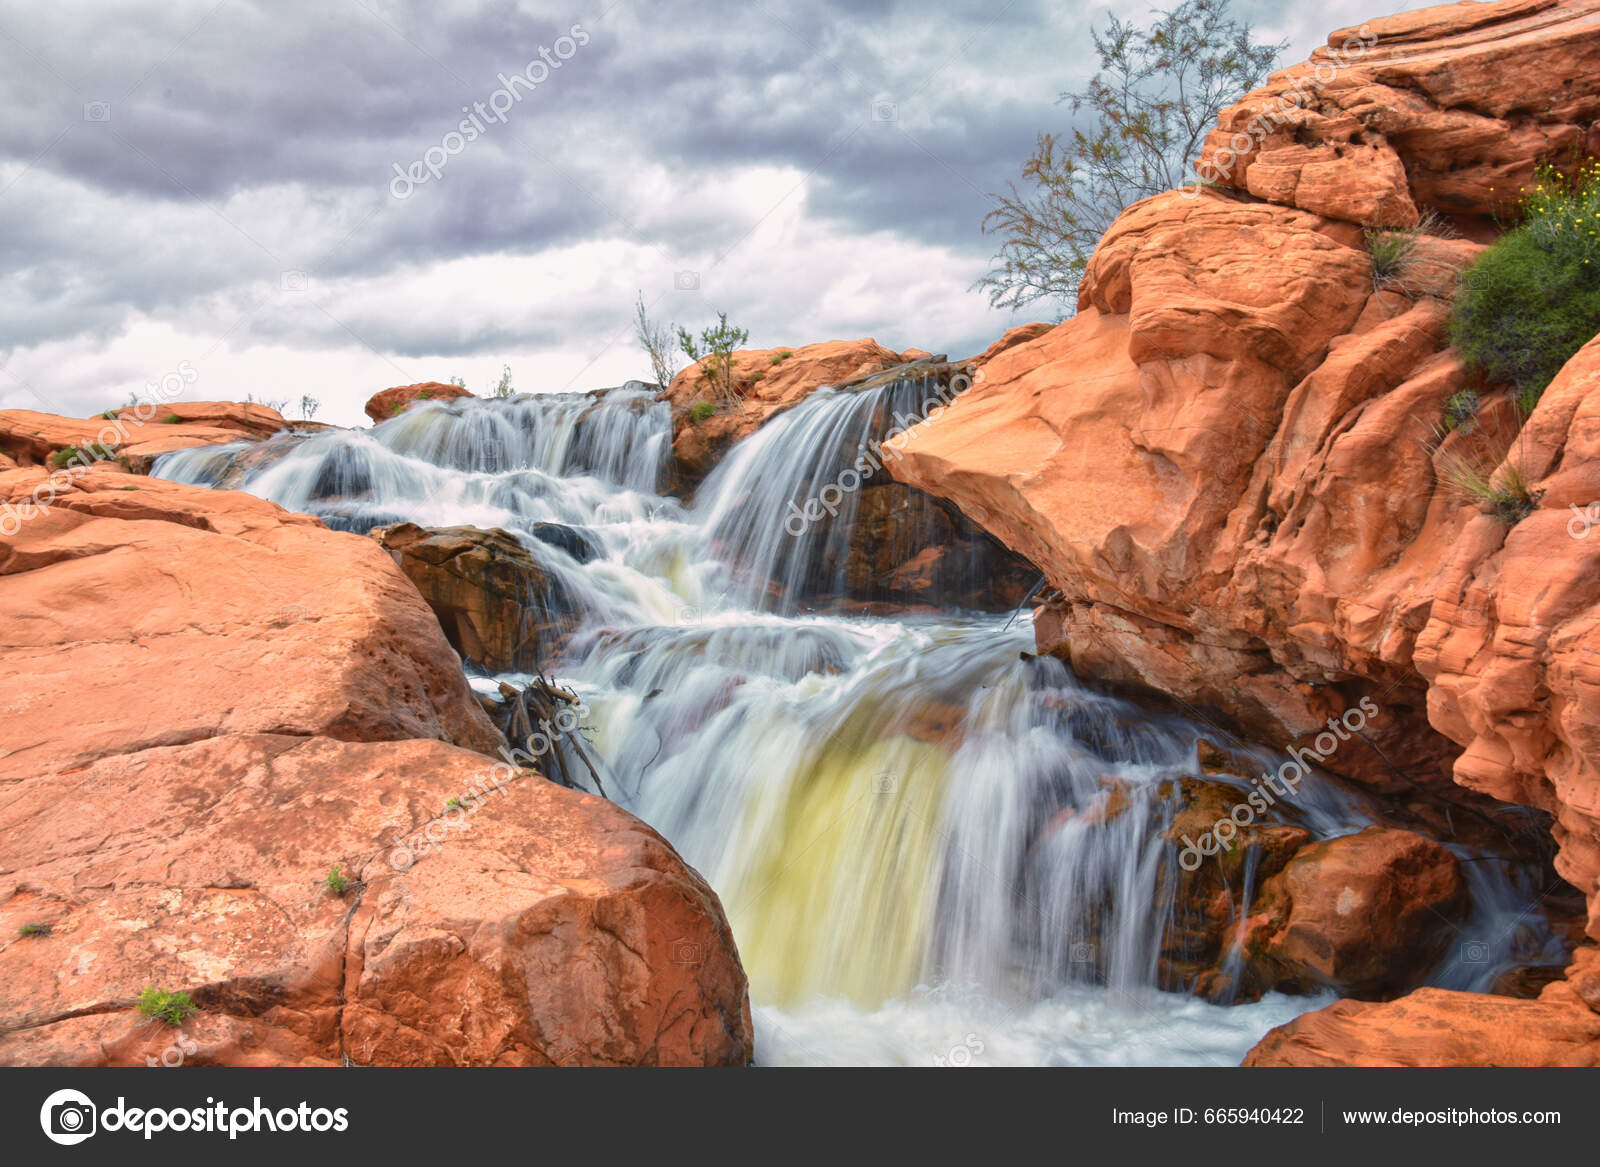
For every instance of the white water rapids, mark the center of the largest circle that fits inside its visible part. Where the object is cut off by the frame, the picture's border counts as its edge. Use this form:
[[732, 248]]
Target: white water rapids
[[883, 804]]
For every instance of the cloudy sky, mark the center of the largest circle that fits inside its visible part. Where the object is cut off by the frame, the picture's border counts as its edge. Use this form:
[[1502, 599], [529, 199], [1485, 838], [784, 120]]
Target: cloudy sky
[[231, 184]]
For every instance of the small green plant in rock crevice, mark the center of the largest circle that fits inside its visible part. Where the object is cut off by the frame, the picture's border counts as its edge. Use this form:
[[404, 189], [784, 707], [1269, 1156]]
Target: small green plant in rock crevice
[[34, 930], [336, 882], [169, 1007], [93, 452], [1481, 469], [700, 410], [1400, 262]]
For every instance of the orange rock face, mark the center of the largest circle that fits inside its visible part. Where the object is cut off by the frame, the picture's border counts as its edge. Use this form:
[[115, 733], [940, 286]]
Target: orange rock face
[[225, 701], [231, 615], [1436, 1027], [136, 434], [1451, 108], [386, 404], [1224, 462], [534, 926]]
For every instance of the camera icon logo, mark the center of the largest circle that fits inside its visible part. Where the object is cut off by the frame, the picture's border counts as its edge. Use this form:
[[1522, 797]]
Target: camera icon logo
[[294, 281], [885, 784], [68, 1117], [884, 111], [97, 111], [1474, 952], [686, 281], [685, 951], [1084, 952]]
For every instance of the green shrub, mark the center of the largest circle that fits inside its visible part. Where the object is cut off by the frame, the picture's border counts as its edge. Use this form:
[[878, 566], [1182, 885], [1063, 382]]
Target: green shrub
[[93, 452], [165, 1006], [713, 352], [780, 356], [336, 881], [34, 930], [701, 410], [171, 419], [1533, 299]]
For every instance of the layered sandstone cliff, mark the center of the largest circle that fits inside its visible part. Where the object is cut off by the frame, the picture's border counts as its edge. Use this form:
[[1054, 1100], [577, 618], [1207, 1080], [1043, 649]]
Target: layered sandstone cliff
[[1224, 462]]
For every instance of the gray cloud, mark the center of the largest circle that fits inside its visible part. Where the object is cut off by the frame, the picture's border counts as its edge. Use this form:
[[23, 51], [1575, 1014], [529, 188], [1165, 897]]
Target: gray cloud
[[241, 141]]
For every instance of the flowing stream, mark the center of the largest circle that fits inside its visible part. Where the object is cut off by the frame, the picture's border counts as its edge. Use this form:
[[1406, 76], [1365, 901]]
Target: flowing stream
[[908, 817]]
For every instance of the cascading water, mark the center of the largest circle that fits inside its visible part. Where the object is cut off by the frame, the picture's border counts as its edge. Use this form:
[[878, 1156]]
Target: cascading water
[[932, 846]]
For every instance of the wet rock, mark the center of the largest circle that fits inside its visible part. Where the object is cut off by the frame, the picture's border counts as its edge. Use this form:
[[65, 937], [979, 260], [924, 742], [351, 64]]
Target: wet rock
[[581, 544], [906, 547], [1208, 892], [1527, 980], [499, 607], [1367, 915]]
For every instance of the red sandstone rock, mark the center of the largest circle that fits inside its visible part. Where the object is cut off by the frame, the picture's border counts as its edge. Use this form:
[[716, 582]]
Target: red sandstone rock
[[1366, 914], [767, 382], [545, 927], [386, 404], [211, 612], [225, 701], [1222, 462], [1451, 107], [1435, 1027], [136, 435]]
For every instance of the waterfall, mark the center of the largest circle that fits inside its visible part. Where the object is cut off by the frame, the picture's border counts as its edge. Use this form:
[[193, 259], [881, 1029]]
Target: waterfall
[[924, 836]]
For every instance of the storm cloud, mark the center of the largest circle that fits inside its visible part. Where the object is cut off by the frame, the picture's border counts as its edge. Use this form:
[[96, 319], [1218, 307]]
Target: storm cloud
[[217, 182]]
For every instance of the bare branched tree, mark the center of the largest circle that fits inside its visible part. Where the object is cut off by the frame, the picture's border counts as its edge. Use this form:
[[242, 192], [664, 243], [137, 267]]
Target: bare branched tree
[[659, 343], [1158, 92]]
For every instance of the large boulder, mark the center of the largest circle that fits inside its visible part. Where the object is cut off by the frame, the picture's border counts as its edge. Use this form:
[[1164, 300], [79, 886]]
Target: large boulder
[[396, 400], [231, 615], [226, 702], [1367, 914], [499, 607], [531, 925]]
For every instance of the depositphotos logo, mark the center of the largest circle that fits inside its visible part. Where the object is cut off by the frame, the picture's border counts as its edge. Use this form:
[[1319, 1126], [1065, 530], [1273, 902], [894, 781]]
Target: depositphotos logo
[[69, 1116]]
